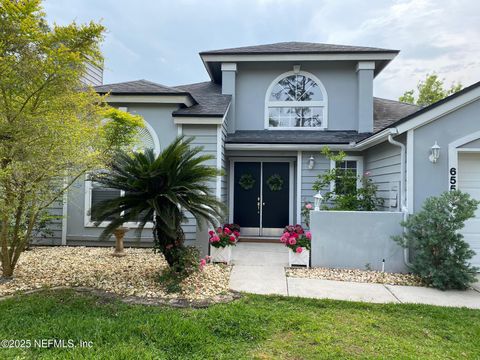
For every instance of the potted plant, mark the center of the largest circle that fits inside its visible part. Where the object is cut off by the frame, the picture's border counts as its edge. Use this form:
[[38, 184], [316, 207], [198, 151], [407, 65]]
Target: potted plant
[[221, 242], [299, 243]]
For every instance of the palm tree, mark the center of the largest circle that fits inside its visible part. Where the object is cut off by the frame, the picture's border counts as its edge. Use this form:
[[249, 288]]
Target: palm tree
[[160, 188]]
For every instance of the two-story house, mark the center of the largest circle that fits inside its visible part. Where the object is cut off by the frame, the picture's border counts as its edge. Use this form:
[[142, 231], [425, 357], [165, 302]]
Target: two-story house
[[265, 115]]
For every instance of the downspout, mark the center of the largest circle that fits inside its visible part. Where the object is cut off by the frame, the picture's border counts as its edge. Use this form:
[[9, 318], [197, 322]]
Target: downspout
[[403, 188]]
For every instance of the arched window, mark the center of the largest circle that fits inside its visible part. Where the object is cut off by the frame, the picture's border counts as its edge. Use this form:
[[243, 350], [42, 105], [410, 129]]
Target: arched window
[[147, 139], [296, 100]]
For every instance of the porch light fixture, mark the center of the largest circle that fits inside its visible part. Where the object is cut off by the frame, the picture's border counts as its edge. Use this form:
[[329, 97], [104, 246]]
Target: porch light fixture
[[311, 162], [434, 153], [318, 201]]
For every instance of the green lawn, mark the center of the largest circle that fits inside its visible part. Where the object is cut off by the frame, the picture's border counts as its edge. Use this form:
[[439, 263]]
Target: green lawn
[[254, 327]]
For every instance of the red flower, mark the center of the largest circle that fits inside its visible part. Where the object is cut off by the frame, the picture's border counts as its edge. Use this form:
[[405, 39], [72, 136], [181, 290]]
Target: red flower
[[219, 230], [236, 233], [227, 231], [211, 232], [232, 238]]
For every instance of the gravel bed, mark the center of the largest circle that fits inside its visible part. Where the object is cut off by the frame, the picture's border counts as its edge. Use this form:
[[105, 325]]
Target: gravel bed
[[366, 276], [132, 275]]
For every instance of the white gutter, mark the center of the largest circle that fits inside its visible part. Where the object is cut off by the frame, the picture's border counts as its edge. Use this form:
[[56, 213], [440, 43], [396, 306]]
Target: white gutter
[[403, 189]]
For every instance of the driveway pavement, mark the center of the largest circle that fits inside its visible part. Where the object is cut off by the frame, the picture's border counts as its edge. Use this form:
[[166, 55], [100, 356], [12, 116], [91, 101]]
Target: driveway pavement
[[260, 269]]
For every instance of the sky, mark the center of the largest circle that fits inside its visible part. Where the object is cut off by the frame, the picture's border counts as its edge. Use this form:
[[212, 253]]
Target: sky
[[159, 40]]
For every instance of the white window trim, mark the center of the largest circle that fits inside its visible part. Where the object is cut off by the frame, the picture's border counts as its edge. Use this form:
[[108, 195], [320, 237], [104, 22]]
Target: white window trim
[[359, 160], [323, 103], [87, 222]]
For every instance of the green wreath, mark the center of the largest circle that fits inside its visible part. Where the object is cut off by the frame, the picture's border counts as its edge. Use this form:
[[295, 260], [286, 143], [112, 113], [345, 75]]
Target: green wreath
[[275, 182], [246, 181]]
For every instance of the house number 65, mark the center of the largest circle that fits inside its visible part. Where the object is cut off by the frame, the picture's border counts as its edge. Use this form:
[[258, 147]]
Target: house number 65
[[453, 179]]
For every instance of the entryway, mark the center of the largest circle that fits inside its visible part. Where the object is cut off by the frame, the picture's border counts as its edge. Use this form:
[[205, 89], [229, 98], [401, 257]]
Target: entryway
[[262, 196]]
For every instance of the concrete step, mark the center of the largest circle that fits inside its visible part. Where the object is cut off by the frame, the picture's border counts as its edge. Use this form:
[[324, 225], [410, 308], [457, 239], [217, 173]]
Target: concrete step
[[259, 239]]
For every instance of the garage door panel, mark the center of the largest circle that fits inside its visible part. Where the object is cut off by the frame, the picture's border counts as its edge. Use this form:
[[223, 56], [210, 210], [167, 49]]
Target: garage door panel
[[469, 182]]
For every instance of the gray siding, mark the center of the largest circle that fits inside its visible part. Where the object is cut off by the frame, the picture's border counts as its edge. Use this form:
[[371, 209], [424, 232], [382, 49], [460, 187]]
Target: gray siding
[[224, 163], [383, 163], [205, 136], [322, 164], [54, 234], [93, 75]]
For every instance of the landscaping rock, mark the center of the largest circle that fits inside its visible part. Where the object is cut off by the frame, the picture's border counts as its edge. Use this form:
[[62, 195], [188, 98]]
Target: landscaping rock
[[134, 275], [365, 276]]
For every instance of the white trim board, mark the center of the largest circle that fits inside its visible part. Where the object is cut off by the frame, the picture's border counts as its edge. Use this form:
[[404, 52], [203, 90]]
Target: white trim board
[[150, 99], [410, 158], [299, 187], [218, 185], [231, 184], [453, 150], [297, 57]]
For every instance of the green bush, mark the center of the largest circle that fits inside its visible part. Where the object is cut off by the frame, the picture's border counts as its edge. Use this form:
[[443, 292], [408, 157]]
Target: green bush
[[441, 256], [346, 195]]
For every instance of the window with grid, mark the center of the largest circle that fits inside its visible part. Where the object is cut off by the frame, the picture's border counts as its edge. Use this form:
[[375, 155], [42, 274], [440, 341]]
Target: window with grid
[[344, 183], [297, 101]]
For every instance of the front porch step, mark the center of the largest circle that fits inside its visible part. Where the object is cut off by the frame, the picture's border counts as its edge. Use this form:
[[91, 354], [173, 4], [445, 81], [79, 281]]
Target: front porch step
[[259, 239]]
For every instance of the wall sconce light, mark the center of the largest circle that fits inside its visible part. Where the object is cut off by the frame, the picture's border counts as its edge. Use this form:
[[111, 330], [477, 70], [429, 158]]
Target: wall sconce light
[[434, 153], [311, 162], [317, 201]]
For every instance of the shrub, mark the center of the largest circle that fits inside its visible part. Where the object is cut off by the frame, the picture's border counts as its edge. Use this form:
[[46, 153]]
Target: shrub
[[346, 195], [441, 255], [295, 238]]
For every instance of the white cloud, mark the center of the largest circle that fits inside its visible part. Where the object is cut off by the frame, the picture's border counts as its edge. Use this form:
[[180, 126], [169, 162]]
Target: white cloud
[[160, 39]]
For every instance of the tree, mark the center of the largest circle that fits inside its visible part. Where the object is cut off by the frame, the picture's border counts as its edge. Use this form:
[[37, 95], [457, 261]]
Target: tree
[[160, 188], [431, 90], [441, 255], [52, 127]]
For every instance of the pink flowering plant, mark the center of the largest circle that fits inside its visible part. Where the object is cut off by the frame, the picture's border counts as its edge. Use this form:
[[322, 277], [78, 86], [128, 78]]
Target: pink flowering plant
[[224, 236], [307, 207], [296, 238]]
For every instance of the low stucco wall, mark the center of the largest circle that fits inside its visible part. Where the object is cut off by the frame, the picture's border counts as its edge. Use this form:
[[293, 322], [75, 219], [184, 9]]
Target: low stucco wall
[[353, 239]]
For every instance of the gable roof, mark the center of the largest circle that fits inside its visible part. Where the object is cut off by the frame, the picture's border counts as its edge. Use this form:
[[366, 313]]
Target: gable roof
[[386, 112], [138, 87], [210, 100], [297, 47]]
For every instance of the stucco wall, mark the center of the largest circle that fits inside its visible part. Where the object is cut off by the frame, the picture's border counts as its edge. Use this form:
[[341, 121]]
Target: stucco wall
[[432, 179], [253, 80], [336, 243]]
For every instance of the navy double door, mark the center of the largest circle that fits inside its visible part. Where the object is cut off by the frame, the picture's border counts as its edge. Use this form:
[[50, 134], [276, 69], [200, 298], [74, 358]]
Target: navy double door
[[261, 197]]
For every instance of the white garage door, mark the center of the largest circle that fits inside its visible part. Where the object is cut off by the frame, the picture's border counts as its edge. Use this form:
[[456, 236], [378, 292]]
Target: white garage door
[[469, 182]]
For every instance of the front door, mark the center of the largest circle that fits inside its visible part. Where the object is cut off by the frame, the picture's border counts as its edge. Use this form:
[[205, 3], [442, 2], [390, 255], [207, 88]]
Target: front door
[[261, 204]]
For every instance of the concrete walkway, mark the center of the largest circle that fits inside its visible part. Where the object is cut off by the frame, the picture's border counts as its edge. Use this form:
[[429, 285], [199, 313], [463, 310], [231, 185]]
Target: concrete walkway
[[260, 269]]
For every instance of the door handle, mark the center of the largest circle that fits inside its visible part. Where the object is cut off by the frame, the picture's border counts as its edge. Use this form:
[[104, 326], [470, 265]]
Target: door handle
[[258, 205]]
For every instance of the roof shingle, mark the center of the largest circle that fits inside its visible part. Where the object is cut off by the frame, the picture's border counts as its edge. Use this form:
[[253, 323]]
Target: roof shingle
[[138, 87], [386, 112], [210, 100], [298, 48]]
